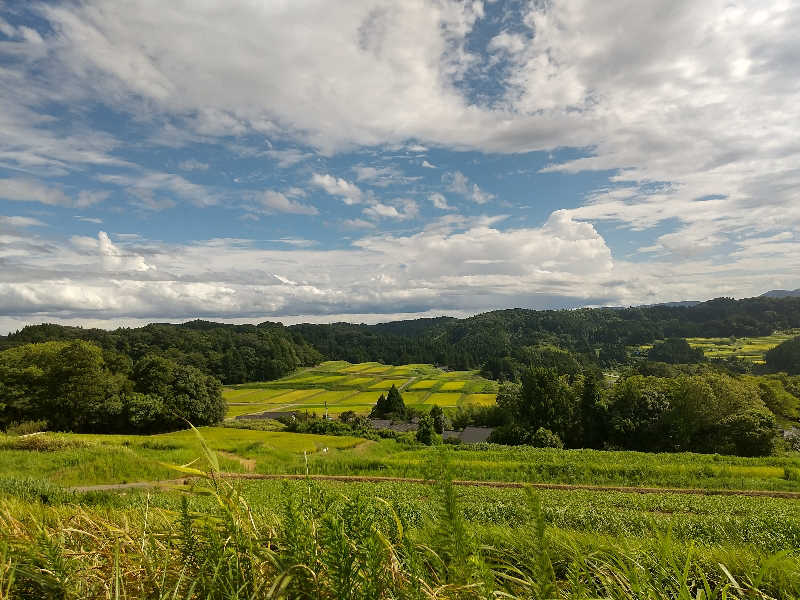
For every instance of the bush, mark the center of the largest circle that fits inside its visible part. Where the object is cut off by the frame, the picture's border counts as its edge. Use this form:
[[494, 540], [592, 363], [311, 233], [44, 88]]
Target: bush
[[544, 438], [27, 427]]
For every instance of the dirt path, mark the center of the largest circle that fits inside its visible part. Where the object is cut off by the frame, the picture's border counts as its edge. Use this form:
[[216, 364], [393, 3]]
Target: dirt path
[[492, 484], [249, 464]]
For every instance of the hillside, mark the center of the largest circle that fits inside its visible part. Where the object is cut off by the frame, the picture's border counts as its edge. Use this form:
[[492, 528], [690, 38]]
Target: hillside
[[232, 353], [239, 353], [600, 334]]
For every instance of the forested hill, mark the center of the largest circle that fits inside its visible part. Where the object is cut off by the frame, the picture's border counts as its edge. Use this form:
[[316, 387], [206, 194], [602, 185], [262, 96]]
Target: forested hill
[[232, 353], [599, 333], [237, 353]]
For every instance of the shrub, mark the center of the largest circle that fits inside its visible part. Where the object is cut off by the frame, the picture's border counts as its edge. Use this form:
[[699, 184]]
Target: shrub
[[27, 427], [544, 438]]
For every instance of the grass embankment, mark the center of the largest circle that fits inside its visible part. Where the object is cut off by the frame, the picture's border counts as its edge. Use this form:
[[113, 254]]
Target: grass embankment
[[74, 460], [342, 386]]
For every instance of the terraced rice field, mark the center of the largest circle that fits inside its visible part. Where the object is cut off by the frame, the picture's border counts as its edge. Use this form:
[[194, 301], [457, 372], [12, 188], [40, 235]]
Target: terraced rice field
[[746, 348], [340, 386]]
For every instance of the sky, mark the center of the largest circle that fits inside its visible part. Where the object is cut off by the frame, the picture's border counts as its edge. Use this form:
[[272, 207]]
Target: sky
[[310, 161]]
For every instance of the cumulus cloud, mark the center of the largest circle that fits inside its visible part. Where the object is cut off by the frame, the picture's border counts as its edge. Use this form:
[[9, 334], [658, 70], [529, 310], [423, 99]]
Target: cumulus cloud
[[691, 112], [443, 267]]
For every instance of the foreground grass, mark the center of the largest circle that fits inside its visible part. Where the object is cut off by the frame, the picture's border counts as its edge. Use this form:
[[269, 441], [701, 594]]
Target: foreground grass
[[322, 541]]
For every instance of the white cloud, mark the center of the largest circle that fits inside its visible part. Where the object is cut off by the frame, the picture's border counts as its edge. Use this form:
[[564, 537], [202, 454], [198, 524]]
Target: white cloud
[[155, 191], [20, 222], [358, 224], [192, 165], [439, 201], [428, 165], [692, 110], [21, 189], [95, 220], [408, 209], [289, 157], [273, 201], [336, 186], [29, 190], [454, 264], [459, 183]]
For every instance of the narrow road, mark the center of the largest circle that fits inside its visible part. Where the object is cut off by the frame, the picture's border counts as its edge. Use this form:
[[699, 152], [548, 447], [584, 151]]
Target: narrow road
[[493, 484]]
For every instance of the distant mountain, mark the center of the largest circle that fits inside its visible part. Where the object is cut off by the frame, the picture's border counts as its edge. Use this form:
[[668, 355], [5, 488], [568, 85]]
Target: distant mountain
[[678, 304], [782, 293]]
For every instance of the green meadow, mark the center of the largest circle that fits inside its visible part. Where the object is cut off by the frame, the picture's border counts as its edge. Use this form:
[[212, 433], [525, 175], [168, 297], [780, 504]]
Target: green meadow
[[341, 386], [87, 459]]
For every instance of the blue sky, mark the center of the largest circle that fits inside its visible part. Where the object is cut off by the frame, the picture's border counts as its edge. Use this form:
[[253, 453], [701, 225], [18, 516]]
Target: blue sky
[[314, 161]]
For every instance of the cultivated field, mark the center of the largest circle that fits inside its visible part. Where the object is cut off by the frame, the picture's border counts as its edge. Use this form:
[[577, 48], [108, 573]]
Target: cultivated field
[[746, 348], [341, 386]]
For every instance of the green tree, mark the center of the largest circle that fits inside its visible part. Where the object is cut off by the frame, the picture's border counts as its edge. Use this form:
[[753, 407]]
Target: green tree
[[439, 419], [675, 351], [546, 400], [785, 357], [426, 432], [389, 406], [593, 417]]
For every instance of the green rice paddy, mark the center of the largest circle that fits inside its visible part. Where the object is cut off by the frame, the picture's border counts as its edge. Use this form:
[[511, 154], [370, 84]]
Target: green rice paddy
[[339, 386], [752, 349]]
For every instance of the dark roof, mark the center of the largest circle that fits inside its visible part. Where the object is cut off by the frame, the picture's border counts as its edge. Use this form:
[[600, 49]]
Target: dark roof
[[393, 425], [473, 435], [470, 435]]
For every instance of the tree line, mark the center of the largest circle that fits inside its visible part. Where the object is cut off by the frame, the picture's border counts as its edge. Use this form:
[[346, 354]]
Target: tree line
[[705, 412], [78, 386], [596, 335], [230, 353]]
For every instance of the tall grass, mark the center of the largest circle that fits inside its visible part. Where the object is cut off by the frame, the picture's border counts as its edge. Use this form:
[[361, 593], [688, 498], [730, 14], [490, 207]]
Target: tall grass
[[322, 545]]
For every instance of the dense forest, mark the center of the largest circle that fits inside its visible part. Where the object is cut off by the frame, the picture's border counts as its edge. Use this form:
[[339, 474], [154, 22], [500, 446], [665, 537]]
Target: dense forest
[[77, 386], [496, 341], [231, 353], [668, 399], [599, 335]]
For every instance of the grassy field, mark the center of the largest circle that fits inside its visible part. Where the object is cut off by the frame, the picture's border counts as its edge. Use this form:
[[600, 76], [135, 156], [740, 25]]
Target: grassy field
[[225, 539], [344, 386], [72, 459], [220, 541], [747, 348]]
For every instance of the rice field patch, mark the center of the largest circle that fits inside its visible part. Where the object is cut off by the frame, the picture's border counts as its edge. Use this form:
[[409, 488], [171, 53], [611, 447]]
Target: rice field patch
[[444, 399], [385, 384], [450, 386]]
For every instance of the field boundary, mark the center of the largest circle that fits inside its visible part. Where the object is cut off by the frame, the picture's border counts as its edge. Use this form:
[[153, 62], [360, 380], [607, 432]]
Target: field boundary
[[166, 483]]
